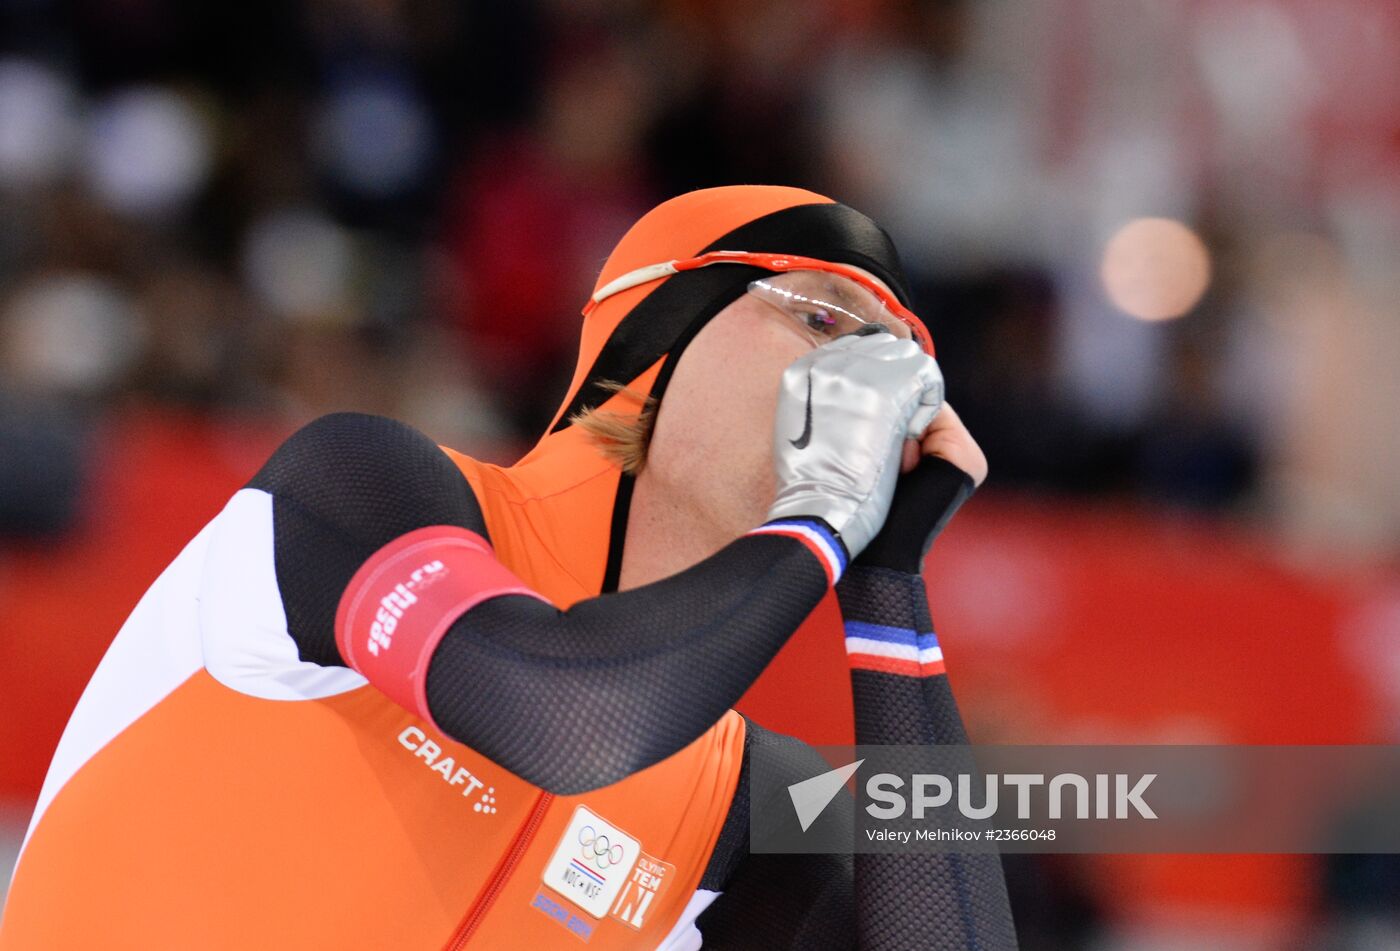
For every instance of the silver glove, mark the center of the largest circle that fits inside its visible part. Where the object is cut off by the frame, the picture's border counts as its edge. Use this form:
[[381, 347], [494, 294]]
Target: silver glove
[[844, 412]]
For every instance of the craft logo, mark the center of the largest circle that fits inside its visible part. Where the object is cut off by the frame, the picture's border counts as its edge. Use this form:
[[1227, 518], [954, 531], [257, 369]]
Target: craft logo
[[592, 862], [416, 741]]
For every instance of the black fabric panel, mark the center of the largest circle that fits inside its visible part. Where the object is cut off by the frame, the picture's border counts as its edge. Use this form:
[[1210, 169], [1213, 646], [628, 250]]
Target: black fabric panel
[[947, 902], [804, 902], [732, 846], [874, 902], [906, 711], [579, 699], [925, 500], [570, 700], [884, 596], [938, 902], [779, 901], [617, 532], [342, 488]]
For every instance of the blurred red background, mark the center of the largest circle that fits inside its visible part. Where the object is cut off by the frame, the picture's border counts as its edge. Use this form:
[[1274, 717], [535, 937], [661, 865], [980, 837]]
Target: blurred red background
[[1155, 241], [1061, 624]]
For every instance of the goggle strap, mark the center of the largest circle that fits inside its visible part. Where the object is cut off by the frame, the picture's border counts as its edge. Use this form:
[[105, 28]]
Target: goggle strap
[[655, 272], [652, 272]]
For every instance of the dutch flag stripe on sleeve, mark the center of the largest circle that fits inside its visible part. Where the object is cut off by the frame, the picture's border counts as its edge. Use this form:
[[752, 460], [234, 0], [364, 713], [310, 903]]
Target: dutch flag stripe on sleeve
[[818, 538], [893, 650]]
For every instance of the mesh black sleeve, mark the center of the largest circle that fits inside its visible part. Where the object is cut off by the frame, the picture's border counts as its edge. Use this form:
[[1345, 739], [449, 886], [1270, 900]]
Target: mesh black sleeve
[[772, 900], [872, 902], [938, 901], [569, 700]]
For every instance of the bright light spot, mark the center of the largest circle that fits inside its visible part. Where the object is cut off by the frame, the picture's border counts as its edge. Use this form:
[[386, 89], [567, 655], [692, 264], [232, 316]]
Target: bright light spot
[[299, 263], [69, 331], [1155, 269], [148, 151], [376, 138], [38, 123]]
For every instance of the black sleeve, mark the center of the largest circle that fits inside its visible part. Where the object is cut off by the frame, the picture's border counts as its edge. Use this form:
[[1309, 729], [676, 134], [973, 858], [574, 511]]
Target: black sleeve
[[943, 902], [927, 900], [570, 700], [771, 900], [946, 902]]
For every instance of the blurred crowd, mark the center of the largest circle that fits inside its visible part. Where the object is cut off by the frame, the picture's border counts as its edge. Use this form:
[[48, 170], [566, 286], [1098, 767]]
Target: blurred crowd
[[283, 209], [1155, 240]]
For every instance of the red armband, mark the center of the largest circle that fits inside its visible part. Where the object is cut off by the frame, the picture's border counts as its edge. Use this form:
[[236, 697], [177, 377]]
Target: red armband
[[402, 601]]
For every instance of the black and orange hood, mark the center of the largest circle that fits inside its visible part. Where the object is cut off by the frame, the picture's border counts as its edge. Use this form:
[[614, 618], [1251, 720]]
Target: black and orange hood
[[558, 517]]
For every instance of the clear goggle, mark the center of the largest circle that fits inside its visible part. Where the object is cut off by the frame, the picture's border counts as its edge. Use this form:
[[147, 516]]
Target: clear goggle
[[826, 298], [825, 306]]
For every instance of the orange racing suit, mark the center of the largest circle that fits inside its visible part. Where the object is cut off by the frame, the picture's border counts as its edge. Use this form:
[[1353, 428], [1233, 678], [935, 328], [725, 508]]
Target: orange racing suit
[[216, 787]]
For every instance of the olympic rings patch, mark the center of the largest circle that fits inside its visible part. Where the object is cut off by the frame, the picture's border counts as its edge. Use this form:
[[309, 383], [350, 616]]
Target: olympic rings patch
[[592, 862], [596, 848]]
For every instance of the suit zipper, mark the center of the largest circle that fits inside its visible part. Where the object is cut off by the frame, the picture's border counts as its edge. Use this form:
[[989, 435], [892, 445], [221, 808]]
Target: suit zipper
[[502, 873]]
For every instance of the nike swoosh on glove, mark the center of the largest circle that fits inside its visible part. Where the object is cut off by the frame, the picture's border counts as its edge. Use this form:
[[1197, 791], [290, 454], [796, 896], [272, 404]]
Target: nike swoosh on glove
[[844, 411]]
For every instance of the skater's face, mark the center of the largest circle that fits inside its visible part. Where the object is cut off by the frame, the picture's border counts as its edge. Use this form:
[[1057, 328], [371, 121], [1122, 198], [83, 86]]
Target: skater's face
[[713, 438]]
